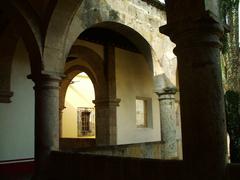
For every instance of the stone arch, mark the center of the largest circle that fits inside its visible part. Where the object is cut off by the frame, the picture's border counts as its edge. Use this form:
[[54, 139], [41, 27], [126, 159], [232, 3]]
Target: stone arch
[[56, 33], [27, 25], [70, 74], [22, 22], [88, 61], [7, 48], [133, 36], [67, 23], [76, 17], [126, 30]]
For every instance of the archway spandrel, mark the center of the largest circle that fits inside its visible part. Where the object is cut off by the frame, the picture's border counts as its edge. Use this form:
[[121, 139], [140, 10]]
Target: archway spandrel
[[55, 39]]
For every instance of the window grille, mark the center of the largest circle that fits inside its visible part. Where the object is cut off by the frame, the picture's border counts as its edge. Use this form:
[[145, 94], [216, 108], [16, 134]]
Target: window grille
[[84, 118]]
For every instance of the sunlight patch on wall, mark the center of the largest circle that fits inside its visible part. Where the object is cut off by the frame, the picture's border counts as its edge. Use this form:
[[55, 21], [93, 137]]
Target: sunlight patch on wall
[[79, 113]]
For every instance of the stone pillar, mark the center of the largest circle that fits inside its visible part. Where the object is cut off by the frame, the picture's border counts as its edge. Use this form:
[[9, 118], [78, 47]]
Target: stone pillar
[[178, 125], [201, 93], [166, 95], [46, 118], [106, 125], [106, 104], [110, 70], [168, 123]]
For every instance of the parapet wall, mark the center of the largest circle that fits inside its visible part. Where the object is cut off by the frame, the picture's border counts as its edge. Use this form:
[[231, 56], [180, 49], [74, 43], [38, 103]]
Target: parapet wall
[[150, 150]]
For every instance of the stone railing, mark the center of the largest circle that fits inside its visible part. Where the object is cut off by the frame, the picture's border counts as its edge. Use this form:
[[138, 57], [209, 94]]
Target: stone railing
[[150, 150], [73, 144], [65, 165]]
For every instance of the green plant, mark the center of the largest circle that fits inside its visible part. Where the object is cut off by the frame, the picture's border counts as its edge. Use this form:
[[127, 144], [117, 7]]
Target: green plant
[[229, 13], [233, 124]]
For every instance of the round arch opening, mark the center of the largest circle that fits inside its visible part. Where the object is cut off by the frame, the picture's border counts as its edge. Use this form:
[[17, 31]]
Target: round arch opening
[[78, 118]]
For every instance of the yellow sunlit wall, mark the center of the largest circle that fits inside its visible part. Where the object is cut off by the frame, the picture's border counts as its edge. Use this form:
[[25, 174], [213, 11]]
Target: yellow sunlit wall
[[80, 93], [134, 79]]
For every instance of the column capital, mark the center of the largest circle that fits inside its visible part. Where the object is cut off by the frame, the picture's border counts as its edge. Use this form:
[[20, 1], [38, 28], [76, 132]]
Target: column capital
[[164, 88], [45, 77], [50, 81], [201, 32], [167, 93], [168, 90], [107, 102]]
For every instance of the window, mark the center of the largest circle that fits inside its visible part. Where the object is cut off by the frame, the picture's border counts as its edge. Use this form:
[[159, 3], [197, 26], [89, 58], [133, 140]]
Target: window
[[85, 121], [143, 112], [85, 118]]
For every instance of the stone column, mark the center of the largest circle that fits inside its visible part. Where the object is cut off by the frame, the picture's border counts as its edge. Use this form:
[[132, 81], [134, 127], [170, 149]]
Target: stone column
[[106, 128], [168, 123], [178, 125], [166, 95], [201, 93], [46, 118], [106, 104]]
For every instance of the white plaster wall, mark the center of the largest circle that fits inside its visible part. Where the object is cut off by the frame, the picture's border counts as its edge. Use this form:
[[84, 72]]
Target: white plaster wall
[[17, 117], [79, 94], [134, 78]]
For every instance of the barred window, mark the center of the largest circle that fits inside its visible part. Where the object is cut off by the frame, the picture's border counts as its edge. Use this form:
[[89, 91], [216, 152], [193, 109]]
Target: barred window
[[85, 121], [85, 117]]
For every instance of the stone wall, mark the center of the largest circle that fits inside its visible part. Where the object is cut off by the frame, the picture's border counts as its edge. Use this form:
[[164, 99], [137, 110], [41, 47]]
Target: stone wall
[[150, 150], [137, 15], [146, 20], [73, 144]]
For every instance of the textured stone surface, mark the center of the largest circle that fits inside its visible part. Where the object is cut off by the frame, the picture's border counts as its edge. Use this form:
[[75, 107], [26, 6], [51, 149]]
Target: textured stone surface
[[72, 144], [46, 118], [136, 15], [166, 94], [150, 150], [201, 94], [168, 127]]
